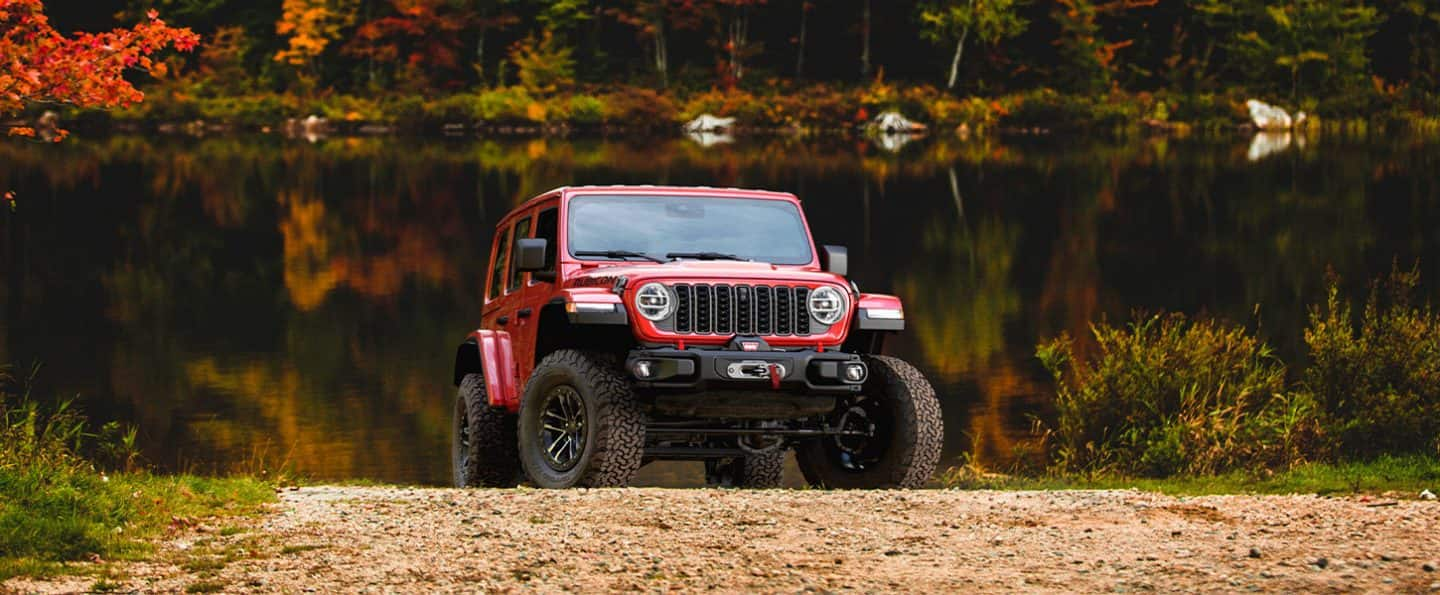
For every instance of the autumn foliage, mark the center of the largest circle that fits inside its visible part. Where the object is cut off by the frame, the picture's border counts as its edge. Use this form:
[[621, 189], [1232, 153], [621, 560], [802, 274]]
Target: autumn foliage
[[310, 26], [423, 38], [39, 64]]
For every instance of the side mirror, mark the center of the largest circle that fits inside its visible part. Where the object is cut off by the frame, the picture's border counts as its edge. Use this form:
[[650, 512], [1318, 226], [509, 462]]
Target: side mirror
[[835, 259], [530, 254]]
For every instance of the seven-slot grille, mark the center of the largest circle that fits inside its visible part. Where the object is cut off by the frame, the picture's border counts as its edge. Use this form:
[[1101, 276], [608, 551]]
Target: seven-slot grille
[[704, 309]]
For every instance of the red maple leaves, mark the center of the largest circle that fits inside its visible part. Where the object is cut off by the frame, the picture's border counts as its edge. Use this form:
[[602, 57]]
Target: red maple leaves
[[37, 63]]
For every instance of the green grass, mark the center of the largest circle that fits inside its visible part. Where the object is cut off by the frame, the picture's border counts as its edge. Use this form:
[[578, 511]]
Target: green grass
[[297, 549], [205, 587], [57, 506], [52, 516], [105, 586], [1404, 475]]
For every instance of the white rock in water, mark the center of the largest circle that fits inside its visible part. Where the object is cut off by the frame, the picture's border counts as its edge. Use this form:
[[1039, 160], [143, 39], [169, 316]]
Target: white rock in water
[[709, 123], [1267, 143], [893, 141], [892, 121], [710, 139], [1269, 117]]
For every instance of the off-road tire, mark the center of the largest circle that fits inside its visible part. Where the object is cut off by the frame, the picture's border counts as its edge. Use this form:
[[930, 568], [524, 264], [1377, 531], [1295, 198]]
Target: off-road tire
[[754, 471], [915, 436], [494, 460], [614, 429]]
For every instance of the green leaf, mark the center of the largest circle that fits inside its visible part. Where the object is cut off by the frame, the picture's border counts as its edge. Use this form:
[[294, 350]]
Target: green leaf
[[1280, 16]]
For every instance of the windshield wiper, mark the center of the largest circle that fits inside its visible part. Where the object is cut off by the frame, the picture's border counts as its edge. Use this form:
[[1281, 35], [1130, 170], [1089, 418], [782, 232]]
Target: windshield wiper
[[705, 256], [620, 254]]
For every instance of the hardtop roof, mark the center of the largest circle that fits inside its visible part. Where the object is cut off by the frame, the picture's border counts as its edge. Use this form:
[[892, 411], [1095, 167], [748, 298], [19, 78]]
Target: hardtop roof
[[697, 191]]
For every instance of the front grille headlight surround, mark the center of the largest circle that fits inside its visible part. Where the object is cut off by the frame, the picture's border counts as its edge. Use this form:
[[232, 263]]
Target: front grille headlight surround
[[655, 301], [826, 305]]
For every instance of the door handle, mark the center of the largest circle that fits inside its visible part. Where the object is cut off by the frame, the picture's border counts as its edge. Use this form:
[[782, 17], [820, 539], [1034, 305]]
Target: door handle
[[503, 320], [524, 313]]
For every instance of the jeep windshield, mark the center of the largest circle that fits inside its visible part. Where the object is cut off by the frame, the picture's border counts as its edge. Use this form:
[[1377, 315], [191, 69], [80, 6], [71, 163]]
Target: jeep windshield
[[687, 227]]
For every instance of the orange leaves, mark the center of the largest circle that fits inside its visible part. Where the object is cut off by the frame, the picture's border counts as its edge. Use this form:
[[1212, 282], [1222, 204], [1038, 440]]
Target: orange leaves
[[85, 69], [423, 37], [1105, 54], [311, 26], [25, 131]]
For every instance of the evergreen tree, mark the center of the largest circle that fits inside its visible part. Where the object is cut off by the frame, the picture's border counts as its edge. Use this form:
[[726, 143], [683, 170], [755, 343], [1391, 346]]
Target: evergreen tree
[[1302, 48]]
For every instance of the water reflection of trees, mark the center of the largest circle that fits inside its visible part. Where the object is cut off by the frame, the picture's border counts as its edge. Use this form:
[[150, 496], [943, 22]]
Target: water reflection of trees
[[306, 295]]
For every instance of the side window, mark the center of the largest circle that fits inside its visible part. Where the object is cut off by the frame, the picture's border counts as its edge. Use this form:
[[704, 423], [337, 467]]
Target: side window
[[522, 231], [547, 227], [497, 273]]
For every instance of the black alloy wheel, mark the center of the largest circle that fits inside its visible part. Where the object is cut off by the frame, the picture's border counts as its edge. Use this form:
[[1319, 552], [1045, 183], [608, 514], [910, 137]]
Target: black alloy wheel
[[562, 428], [580, 423]]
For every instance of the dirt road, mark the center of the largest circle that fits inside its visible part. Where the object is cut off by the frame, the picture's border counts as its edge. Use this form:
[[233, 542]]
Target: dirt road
[[334, 539]]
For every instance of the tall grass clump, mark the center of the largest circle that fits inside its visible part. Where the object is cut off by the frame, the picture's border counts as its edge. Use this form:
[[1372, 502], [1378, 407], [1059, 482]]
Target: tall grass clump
[[68, 493], [1377, 378], [1167, 395]]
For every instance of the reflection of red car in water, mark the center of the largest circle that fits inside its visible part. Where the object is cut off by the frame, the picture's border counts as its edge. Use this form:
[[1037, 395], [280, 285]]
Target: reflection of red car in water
[[630, 324]]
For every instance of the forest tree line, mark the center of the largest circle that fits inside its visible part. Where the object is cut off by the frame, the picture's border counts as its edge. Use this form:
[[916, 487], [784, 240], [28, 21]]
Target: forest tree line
[[1338, 57]]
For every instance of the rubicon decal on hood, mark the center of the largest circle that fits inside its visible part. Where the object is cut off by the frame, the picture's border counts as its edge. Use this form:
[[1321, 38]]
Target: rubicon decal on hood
[[593, 281]]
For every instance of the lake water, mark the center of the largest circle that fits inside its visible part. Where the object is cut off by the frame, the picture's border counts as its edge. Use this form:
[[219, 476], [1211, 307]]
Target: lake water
[[253, 301]]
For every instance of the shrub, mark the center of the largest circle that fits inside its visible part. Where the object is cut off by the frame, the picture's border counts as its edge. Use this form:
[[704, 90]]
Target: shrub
[[1167, 395], [250, 110], [1379, 381], [734, 103], [638, 105], [408, 110], [585, 109], [461, 107], [1043, 107], [1207, 109], [1048, 109], [350, 108], [508, 104], [826, 106]]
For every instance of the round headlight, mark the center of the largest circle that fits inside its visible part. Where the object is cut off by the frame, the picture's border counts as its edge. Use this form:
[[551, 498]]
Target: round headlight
[[654, 301], [827, 305]]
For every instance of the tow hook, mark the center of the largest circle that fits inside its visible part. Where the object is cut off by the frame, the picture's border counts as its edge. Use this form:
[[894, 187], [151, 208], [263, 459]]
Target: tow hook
[[757, 370]]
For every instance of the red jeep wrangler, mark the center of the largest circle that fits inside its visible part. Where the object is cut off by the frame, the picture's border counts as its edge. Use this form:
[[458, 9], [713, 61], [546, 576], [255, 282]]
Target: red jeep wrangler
[[630, 324]]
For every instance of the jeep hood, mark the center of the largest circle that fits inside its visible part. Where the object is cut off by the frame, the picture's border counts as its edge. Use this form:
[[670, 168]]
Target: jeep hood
[[690, 270]]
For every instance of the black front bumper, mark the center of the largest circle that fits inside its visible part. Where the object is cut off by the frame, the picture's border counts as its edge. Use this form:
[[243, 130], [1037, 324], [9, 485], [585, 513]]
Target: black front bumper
[[698, 369]]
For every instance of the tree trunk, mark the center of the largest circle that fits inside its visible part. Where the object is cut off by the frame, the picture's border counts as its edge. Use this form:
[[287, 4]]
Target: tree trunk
[[955, 62], [800, 53], [662, 57], [739, 26], [865, 40]]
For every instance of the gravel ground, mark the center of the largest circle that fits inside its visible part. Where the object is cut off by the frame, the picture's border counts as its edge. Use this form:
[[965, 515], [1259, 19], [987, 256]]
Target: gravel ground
[[348, 539]]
